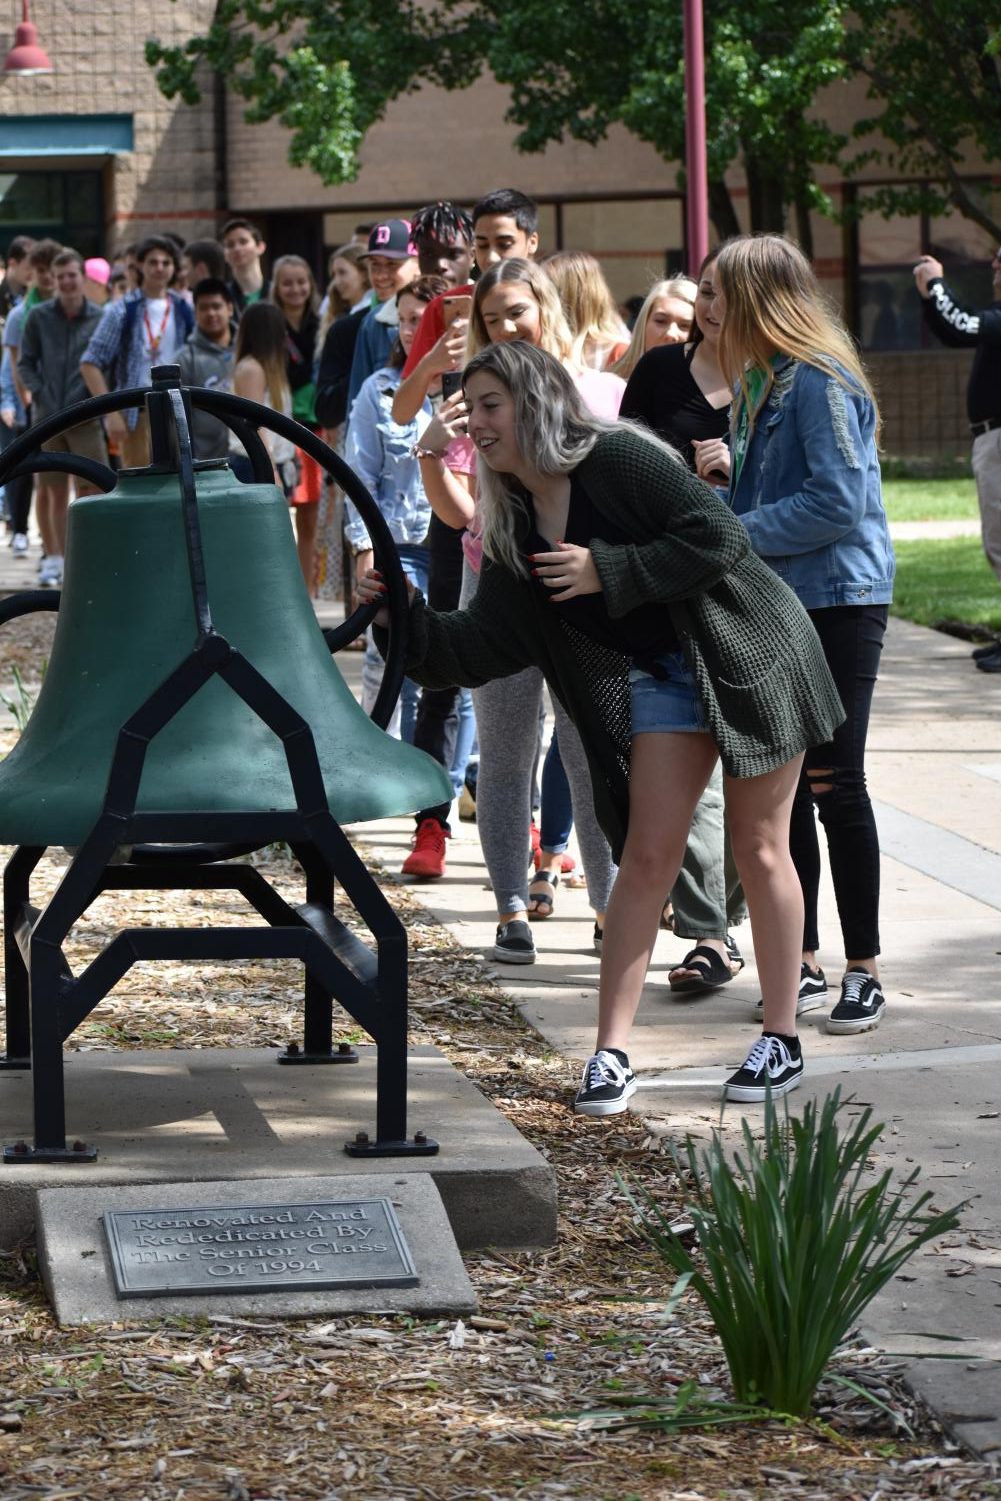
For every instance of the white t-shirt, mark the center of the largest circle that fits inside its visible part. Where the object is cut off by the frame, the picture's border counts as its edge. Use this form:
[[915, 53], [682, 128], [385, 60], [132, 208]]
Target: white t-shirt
[[161, 333]]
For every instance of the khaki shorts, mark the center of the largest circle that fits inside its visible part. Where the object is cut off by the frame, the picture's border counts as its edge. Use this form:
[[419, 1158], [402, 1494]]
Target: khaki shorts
[[87, 441]]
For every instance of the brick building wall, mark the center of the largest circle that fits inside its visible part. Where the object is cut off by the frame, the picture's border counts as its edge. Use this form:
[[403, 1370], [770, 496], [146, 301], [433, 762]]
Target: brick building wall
[[169, 180]]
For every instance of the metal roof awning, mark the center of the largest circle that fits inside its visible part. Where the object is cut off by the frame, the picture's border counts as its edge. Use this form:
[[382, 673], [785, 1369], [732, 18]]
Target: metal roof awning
[[65, 135]]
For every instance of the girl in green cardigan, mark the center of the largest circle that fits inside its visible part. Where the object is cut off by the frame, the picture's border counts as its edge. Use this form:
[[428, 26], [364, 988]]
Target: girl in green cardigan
[[634, 589]]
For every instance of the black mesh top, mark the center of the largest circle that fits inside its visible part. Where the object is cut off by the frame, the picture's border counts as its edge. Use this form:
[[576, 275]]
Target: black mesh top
[[644, 633]]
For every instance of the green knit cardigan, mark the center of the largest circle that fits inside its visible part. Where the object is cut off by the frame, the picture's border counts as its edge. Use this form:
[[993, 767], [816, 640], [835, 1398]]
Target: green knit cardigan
[[758, 665]]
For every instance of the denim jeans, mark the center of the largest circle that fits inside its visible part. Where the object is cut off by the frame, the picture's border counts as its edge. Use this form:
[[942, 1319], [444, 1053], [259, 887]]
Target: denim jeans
[[556, 814], [465, 740], [852, 638], [414, 558]]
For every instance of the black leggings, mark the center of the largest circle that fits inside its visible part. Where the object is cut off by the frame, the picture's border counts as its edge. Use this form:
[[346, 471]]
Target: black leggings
[[438, 710], [852, 638], [19, 490]]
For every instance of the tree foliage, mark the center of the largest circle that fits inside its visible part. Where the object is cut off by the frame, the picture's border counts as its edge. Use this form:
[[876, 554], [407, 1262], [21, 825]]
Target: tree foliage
[[327, 69], [934, 77], [577, 70]]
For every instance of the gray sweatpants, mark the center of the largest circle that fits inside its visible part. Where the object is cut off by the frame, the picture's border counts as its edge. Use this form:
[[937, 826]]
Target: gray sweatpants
[[507, 728]]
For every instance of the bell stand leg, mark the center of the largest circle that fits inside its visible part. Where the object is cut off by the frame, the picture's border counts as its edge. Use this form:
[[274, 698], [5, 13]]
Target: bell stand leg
[[46, 975], [391, 1067], [317, 1031], [16, 890]]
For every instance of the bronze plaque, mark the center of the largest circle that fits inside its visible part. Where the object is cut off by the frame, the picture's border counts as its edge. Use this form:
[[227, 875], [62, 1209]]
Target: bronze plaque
[[257, 1248]]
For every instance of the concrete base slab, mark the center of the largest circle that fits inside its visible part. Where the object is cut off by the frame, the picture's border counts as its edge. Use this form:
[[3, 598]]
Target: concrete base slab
[[75, 1264], [197, 1116]]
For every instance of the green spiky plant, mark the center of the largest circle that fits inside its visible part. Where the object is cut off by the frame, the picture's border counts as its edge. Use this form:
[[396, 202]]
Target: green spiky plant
[[22, 702], [795, 1238]]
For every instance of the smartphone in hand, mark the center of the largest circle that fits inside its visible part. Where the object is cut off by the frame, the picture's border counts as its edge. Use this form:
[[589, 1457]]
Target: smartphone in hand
[[455, 307], [451, 381]]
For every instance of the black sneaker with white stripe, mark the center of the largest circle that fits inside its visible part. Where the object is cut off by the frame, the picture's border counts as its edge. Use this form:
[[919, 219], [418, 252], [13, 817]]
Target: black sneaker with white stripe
[[861, 1005], [606, 1084], [771, 1063], [513, 943], [812, 989]]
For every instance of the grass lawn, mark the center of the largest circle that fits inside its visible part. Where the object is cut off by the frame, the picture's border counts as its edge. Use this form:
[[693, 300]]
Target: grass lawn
[[930, 499], [947, 580]]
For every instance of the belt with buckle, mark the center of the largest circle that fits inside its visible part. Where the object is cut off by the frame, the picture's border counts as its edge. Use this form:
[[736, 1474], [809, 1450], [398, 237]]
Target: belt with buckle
[[976, 428]]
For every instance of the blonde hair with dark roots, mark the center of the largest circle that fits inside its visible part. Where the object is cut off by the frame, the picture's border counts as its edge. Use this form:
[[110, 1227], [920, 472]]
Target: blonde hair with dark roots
[[774, 303], [551, 423], [554, 331], [682, 287]]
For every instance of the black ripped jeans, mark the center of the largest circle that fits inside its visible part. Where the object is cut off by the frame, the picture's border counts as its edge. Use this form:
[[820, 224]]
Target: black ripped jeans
[[852, 638]]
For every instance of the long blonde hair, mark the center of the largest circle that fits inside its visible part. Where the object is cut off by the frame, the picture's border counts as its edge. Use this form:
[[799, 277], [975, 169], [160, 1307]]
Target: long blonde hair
[[336, 307], [551, 423], [301, 265], [773, 304], [554, 332], [588, 305], [681, 287]]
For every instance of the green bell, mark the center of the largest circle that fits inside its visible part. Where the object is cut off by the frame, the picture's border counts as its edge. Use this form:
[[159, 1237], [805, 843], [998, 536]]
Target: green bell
[[126, 621]]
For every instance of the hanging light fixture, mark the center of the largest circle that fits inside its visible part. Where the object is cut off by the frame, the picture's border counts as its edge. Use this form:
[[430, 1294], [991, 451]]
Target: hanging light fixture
[[26, 56]]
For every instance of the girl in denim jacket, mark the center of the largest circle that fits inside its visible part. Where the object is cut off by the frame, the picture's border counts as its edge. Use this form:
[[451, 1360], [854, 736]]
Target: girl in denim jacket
[[805, 481]]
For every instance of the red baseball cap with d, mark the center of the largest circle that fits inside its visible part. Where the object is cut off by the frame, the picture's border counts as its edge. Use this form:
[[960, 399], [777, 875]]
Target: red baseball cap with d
[[391, 239]]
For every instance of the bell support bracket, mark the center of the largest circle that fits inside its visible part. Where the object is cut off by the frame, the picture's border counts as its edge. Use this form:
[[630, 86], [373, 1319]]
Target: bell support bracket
[[45, 1001]]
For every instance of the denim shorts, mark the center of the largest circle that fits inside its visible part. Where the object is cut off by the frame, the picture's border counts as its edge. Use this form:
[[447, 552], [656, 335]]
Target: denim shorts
[[669, 704]]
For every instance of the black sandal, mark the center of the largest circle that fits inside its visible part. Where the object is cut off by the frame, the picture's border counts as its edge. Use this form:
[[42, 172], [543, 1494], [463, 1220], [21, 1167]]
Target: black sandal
[[543, 899], [714, 970], [734, 955]]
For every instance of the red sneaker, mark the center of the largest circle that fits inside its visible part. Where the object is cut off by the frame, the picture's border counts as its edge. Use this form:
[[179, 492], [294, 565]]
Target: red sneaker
[[567, 864], [427, 858]]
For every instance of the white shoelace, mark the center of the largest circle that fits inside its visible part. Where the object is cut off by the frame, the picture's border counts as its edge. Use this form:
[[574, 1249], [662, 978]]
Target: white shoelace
[[768, 1053], [851, 986], [603, 1068]]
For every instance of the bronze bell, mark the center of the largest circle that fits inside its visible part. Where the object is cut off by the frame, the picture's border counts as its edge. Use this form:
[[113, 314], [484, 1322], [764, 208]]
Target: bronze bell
[[191, 696], [125, 621]]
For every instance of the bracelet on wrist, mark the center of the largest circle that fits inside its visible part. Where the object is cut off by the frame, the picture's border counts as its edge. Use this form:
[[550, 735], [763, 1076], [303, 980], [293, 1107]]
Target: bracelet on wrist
[[418, 451]]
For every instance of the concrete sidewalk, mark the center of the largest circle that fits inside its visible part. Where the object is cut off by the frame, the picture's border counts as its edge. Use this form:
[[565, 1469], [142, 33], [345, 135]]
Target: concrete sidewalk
[[931, 1072]]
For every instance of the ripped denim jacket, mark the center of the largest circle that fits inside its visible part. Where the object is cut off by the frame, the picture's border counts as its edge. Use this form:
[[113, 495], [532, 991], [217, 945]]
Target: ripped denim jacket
[[809, 491]]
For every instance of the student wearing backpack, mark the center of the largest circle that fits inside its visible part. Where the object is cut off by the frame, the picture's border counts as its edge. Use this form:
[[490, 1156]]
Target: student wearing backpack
[[147, 327]]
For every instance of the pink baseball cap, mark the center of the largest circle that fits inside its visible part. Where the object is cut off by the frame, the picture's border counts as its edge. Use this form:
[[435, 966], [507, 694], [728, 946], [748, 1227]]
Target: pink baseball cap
[[97, 269]]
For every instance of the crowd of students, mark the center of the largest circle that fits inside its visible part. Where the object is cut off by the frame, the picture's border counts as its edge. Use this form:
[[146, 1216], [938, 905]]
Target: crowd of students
[[671, 521]]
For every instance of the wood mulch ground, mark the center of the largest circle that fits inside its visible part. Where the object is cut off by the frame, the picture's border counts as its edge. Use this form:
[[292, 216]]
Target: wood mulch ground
[[390, 1409]]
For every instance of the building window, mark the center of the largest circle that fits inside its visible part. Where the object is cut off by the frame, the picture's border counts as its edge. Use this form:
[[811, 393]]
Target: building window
[[887, 309], [63, 206]]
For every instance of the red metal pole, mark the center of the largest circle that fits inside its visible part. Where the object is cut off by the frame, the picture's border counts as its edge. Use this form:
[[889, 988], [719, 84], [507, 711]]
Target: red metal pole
[[697, 197]]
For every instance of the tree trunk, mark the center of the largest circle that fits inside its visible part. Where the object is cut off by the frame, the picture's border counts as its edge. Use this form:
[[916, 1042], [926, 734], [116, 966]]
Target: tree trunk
[[765, 196], [804, 228], [722, 213]]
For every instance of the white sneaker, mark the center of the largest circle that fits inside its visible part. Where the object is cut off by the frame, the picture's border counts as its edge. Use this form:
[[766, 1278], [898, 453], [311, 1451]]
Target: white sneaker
[[19, 545], [50, 575]]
